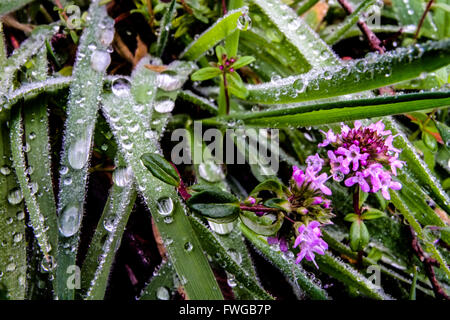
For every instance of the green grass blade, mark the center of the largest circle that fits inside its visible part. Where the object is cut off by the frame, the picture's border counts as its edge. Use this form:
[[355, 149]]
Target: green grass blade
[[82, 110], [293, 271], [306, 42], [161, 285], [13, 258], [3, 53], [165, 28], [359, 75], [190, 264], [338, 115], [106, 240], [417, 167], [202, 103], [7, 6], [217, 32], [410, 12], [349, 21], [213, 246]]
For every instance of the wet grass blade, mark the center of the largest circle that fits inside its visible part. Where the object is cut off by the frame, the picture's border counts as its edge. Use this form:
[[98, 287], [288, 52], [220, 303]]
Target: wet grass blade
[[223, 256], [165, 28], [168, 212], [7, 6], [13, 258], [213, 35], [161, 285], [294, 272], [107, 237], [82, 111], [359, 75]]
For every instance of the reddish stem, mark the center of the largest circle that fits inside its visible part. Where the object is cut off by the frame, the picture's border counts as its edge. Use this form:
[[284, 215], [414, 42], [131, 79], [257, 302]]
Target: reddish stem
[[257, 208], [422, 19]]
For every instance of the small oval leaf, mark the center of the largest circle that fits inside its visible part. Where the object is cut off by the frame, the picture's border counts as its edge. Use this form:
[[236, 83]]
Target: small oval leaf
[[161, 168]]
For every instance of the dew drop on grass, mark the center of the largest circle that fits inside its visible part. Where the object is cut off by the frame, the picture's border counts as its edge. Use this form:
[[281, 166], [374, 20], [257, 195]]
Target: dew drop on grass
[[48, 264], [15, 196], [11, 267], [18, 237], [221, 228], [188, 247], [5, 170], [70, 220], [210, 171], [167, 82], [122, 176], [121, 87], [164, 106], [32, 136], [100, 60], [162, 293], [165, 206], [244, 22], [108, 223], [79, 153]]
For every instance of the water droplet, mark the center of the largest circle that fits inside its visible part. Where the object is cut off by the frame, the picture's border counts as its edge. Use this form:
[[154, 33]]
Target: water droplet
[[32, 136], [338, 176], [67, 181], [188, 247], [122, 176], [109, 224], [244, 22], [11, 267], [231, 280], [100, 60], [167, 82], [165, 206], [79, 153], [221, 228], [70, 220], [164, 106], [168, 220], [121, 87], [48, 264], [15, 196], [5, 170], [20, 215], [107, 37], [162, 293], [18, 237], [63, 170]]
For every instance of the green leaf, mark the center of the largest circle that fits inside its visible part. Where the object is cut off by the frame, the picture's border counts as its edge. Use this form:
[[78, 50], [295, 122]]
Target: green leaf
[[277, 203], [220, 53], [217, 32], [429, 141], [205, 74], [351, 217], [266, 225], [444, 131], [242, 61], [213, 246], [272, 185], [373, 214], [292, 271], [218, 205], [161, 168], [82, 111], [359, 75], [236, 85], [161, 284], [359, 235]]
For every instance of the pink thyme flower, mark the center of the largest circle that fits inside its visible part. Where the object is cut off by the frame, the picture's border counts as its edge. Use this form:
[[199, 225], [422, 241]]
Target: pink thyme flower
[[310, 242], [330, 138], [370, 152], [315, 162], [251, 200], [281, 241], [298, 175]]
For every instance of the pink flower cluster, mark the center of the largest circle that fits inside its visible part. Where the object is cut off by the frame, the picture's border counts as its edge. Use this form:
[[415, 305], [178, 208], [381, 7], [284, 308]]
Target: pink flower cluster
[[310, 242], [311, 174], [361, 154]]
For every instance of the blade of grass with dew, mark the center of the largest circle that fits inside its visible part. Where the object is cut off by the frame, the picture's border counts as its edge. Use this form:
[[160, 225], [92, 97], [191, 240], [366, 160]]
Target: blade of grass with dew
[[213, 35], [417, 168], [213, 246], [13, 256], [344, 273], [349, 21], [167, 210], [82, 109], [161, 285], [307, 43], [305, 6], [7, 6], [232, 41], [166, 23], [20, 56], [339, 115], [108, 235], [208, 172], [28, 189], [201, 102], [359, 75], [291, 270]]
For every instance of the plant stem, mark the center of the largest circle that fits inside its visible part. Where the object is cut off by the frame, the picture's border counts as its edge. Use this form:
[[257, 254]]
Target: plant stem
[[224, 7], [227, 97], [374, 42], [257, 208], [357, 209], [422, 19]]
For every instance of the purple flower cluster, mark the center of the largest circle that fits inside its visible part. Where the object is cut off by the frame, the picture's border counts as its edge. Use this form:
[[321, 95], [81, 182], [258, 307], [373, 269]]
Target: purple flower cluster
[[311, 175], [310, 242], [361, 154]]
